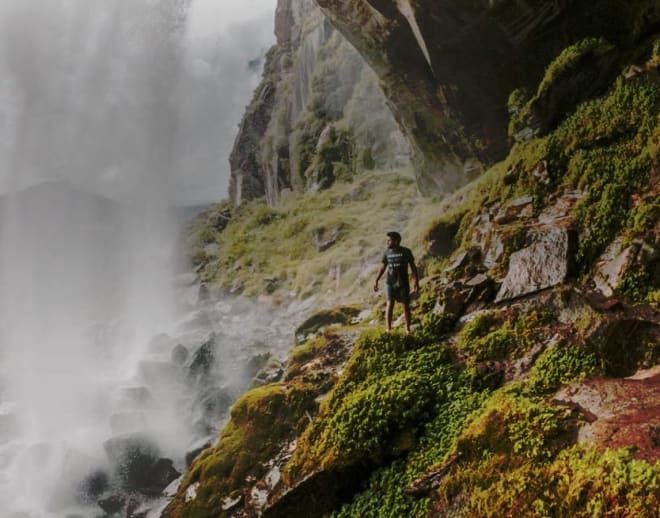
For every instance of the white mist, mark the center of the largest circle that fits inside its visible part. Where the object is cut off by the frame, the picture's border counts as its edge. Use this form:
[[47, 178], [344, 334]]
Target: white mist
[[89, 131]]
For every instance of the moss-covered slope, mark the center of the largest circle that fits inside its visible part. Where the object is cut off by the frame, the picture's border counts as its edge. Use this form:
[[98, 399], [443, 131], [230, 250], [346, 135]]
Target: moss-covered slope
[[536, 338]]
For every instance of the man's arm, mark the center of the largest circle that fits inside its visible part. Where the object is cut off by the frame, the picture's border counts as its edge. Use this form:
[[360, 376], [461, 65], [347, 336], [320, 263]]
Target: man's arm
[[380, 274], [413, 267]]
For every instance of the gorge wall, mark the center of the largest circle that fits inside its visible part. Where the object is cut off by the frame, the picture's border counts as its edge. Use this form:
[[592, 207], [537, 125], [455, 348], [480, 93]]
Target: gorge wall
[[316, 116], [445, 68]]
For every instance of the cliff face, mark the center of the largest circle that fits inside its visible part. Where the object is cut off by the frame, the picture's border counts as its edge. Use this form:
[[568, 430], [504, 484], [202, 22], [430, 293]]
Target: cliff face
[[446, 69], [318, 105]]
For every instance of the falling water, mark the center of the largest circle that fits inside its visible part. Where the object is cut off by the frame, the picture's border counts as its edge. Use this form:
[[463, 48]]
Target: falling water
[[89, 91]]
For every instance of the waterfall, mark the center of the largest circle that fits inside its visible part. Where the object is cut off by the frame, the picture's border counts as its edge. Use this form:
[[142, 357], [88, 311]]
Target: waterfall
[[89, 97]]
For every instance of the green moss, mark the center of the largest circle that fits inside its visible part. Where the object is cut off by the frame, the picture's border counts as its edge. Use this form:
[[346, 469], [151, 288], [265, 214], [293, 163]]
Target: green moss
[[515, 426], [562, 364], [391, 384], [563, 65], [260, 421], [606, 148], [514, 335], [305, 352], [580, 483]]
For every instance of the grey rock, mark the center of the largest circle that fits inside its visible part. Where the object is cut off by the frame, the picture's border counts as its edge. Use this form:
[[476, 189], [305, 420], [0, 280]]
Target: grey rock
[[543, 264], [322, 240], [135, 398], [180, 354]]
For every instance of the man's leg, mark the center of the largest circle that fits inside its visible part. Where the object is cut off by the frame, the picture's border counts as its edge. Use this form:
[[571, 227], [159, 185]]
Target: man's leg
[[406, 315], [389, 309]]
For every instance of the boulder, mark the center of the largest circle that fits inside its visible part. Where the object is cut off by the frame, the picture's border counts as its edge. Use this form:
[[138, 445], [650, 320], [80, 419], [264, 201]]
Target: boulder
[[215, 403], [617, 262], [137, 463], [440, 238], [203, 362], [514, 210], [451, 300], [180, 354], [135, 398], [545, 263], [341, 315], [322, 239], [94, 485]]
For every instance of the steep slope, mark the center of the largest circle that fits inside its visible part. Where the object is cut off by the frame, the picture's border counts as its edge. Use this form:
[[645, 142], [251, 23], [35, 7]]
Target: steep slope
[[530, 386]]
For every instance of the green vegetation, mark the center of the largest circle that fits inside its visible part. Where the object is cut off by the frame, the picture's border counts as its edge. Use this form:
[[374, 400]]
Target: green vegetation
[[272, 250], [260, 421], [563, 363], [607, 149], [579, 482], [404, 406], [514, 335]]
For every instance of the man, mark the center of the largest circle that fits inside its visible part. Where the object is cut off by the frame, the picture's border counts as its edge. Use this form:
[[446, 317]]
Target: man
[[396, 260]]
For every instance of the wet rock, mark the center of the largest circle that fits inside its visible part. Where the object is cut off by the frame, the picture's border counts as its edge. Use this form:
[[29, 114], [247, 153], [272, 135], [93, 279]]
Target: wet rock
[[317, 494], [203, 362], [440, 239], [451, 300], [159, 477], [94, 485], [113, 504], [215, 403], [271, 373], [180, 354], [616, 262], [514, 210], [195, 452], [545, 263], [135, 398], [134, 458]]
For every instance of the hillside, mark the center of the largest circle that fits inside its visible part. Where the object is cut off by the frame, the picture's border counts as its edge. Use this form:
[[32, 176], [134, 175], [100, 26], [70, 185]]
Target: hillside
[[530, 385]]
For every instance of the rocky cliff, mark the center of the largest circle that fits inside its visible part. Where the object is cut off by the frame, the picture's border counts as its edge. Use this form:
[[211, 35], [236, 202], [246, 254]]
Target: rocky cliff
[[531, 383], [317, 115], [446, 68]]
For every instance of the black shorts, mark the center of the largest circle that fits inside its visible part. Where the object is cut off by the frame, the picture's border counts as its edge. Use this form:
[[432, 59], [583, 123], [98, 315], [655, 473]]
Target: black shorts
[[398, 293]]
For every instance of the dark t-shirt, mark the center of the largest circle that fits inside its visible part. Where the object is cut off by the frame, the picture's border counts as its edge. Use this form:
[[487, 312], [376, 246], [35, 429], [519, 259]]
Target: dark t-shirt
[[397, 261]]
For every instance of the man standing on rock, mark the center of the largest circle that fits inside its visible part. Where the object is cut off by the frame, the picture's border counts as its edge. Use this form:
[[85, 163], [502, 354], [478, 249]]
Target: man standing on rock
[[397, 287]]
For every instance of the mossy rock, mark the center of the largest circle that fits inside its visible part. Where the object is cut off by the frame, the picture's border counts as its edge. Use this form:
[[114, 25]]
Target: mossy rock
[[261, 421], [341, 315]]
